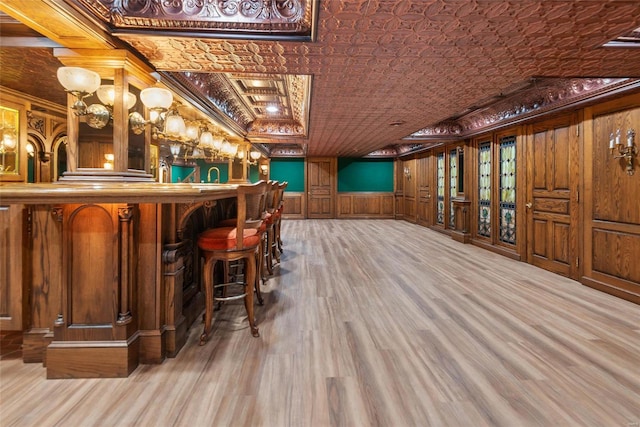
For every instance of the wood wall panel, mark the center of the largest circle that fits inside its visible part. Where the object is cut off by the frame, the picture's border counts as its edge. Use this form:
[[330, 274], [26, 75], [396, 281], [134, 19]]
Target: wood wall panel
[[294, 205], [616, 195], [365, 205], [616, 254], [409, 212], [11, 280], [94, 266], [612, 197]]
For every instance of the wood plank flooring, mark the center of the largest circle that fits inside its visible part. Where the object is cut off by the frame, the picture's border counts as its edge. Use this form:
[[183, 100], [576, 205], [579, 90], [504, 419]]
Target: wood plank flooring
[[371, 323]]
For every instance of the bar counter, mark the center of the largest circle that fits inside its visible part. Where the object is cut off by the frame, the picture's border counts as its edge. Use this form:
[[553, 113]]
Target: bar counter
[[107, 275], [113, 193]]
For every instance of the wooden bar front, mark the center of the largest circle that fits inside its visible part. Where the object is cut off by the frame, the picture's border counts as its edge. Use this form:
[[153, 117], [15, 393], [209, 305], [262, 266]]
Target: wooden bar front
[[111, 270]]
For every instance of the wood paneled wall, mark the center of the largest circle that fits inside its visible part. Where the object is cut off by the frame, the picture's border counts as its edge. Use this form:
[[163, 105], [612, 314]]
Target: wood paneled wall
[[294, 205], [12, 239], [611, 229], [365, 205], [577, 210]]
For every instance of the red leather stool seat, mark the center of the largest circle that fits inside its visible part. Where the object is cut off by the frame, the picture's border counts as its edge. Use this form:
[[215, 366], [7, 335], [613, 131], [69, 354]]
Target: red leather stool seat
[[222, 238]]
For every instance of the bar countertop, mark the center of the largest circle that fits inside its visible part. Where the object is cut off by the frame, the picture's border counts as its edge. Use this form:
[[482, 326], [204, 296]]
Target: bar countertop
[[105, 192]]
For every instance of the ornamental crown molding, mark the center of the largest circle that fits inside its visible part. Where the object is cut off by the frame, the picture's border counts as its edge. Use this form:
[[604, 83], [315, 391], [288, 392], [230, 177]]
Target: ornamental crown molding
[[539, 97], [216, 89], [287, 151], [282, 128], [272, 19]]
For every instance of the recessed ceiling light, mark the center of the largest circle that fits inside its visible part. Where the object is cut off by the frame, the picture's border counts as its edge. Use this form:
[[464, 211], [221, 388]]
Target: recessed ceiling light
[[272, 108]]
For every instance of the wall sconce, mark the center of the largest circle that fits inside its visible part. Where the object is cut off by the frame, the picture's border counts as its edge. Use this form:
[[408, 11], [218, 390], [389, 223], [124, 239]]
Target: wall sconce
[[254, 156], [626, 151], [80, 83], [264, 169], [109, 161], [407, 172], [174, 147], [160, 103]]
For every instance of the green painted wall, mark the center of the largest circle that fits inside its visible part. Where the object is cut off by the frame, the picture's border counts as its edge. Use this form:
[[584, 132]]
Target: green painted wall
[[31, 174], [178, 173], [365, 175], [254, 173], [290, 170]]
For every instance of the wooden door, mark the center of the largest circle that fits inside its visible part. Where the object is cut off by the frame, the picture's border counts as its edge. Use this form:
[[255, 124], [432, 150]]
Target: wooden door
[[424, 191], [409, 185], [321, 187], [552, 196]]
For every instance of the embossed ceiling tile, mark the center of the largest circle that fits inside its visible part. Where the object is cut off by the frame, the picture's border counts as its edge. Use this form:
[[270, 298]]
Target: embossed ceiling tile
[[25, 73], [426, 60]]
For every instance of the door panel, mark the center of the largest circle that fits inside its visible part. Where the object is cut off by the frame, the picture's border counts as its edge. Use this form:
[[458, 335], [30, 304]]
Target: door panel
[[552, 206], [321, 189]]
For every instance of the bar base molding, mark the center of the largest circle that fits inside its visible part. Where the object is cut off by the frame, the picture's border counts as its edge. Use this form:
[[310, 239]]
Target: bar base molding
[[34, 345], [92, 359]]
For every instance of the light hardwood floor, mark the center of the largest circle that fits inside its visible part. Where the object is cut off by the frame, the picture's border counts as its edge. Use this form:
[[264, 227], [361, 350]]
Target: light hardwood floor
[[371, 323]]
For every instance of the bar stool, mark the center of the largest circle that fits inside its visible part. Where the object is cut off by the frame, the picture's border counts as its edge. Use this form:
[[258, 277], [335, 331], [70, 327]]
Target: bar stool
[[241, 242], [278, 221], [272, 205]]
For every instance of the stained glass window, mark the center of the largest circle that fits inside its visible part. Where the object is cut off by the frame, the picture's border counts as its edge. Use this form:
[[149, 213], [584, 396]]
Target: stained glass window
[[484, 193], [508, 189], [453, 187], [440, 178]]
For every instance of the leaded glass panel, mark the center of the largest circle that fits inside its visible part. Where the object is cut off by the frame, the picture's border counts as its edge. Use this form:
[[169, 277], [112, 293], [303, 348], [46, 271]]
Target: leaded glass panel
[[484, 196], [508, 189], [453, 187], [440, 179]]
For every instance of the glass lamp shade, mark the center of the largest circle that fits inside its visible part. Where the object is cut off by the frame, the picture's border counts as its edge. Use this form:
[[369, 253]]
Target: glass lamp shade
[[107, 94], [255, 155], [240, 154], [206, 139], [192, 131], [174, 126], [175, 149], [197, 153], [217, 143], [233, 150], [76, 79], [226, 148], [156, 97]]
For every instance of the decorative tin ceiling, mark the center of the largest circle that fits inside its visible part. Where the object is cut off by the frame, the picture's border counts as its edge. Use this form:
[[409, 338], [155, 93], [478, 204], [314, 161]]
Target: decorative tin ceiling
[[354, 77]]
